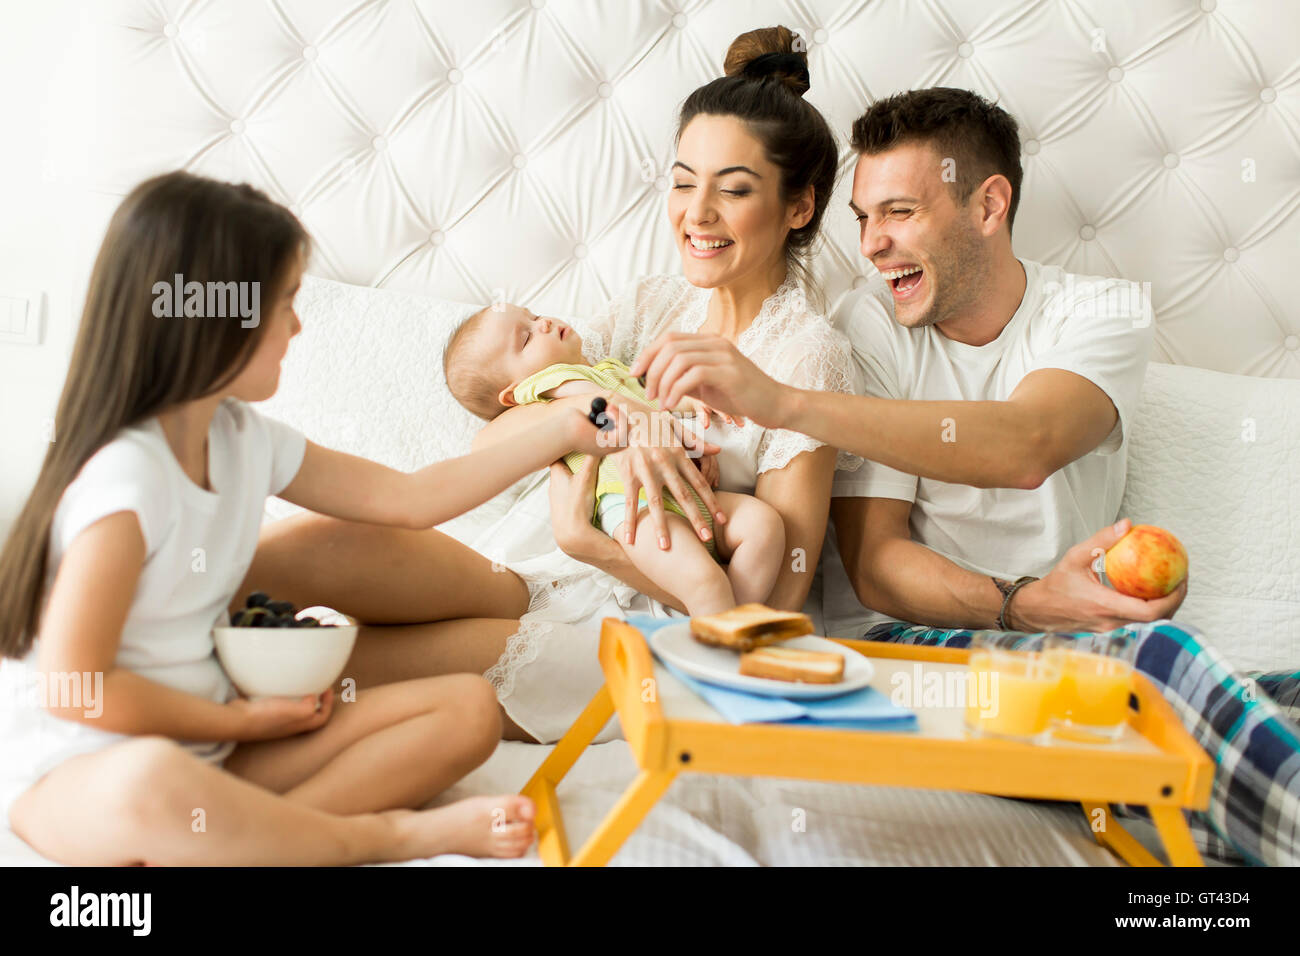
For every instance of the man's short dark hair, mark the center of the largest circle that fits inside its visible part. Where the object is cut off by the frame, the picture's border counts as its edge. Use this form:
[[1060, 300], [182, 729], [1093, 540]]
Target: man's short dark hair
[[980, 137]]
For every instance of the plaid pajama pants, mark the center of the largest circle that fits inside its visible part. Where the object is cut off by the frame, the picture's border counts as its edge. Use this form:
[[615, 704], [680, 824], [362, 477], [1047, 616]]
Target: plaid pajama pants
[[1248, 723]]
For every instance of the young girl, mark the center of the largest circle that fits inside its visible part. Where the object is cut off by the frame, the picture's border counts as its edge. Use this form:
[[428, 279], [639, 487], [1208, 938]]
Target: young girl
[[142, 523]]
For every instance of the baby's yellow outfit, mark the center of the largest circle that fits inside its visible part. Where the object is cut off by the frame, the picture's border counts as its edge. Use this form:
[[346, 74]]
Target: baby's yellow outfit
[[611, 504]]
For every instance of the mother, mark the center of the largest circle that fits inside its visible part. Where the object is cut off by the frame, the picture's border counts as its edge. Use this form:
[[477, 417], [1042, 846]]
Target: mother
[[754, 172]]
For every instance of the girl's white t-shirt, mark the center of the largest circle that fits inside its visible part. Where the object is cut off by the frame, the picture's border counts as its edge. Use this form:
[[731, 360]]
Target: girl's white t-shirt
[[198, 546]]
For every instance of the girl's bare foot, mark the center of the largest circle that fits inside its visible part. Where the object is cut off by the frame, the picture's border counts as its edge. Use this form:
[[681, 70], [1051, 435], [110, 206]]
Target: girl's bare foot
[[500, 826]]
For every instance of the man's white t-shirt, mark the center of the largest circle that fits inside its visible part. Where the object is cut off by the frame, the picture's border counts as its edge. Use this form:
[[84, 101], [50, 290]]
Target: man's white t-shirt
[[1097, 328], [198, 546]]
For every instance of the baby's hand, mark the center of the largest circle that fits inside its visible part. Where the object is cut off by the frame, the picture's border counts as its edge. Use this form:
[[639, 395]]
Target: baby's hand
[[705, 413], [709, 469]]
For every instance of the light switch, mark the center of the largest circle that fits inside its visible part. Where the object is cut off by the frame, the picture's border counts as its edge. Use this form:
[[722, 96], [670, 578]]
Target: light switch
[[20, 317]]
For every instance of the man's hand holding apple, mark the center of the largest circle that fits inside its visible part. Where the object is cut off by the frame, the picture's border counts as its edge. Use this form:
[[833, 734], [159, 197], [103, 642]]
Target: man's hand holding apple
[[1071, 596]]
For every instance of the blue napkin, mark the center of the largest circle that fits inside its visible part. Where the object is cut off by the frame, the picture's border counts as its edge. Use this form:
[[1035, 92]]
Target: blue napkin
[[865, 709]]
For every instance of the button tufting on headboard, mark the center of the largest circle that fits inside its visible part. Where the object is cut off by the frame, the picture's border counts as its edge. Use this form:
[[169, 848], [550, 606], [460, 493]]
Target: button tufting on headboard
[[524, 145]]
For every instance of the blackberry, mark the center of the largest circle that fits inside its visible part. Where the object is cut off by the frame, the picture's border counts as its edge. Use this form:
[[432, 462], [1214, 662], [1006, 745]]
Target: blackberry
[[251, 617], [597, 414]]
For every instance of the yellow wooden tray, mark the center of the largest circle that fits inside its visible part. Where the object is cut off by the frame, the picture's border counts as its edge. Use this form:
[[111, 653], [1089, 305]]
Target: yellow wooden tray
[[671, 730]]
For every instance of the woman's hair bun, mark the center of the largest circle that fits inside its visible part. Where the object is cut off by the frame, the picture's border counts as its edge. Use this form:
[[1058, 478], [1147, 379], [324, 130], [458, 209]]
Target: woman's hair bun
[[776, 52]]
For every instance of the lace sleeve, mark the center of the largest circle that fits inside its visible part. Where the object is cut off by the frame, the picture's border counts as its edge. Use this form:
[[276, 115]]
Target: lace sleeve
[[597, 330], [820, 359], [663, 303]]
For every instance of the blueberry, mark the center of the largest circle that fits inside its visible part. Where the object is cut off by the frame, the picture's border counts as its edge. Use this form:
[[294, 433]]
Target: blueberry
[[257, 599], [280, 608]]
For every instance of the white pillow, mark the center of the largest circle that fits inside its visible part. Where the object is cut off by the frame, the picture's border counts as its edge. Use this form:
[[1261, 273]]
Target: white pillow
[[1213, 458], [365, 376]]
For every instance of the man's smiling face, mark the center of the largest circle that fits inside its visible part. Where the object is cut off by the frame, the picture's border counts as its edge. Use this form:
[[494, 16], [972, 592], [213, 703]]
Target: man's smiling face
[[911, 227]]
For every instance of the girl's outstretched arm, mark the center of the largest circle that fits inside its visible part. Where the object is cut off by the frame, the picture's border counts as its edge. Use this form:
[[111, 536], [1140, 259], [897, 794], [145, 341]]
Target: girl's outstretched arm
[[357, 489], [81, 630]]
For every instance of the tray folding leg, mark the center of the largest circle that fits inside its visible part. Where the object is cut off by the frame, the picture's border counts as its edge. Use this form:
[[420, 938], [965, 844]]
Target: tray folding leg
[[625, 816], [1170, 824], [552, 843], [1115, 838]]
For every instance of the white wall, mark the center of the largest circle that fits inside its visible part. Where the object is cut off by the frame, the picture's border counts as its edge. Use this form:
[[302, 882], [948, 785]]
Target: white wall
[[50, 226]]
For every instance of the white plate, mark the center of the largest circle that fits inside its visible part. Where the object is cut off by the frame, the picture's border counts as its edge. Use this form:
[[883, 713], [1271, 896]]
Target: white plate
[[720, 665]]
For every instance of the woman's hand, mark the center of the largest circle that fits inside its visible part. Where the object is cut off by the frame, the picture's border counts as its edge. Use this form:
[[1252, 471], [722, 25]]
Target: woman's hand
[[573, 502], [713, 370], [573, 499], [271, 718], [660, 455]]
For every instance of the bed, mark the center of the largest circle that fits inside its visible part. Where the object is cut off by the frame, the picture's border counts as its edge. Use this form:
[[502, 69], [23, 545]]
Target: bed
[[443, 155]]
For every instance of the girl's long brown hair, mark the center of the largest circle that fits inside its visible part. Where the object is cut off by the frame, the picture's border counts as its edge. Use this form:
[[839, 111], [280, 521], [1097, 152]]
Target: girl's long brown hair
[[128, 363]]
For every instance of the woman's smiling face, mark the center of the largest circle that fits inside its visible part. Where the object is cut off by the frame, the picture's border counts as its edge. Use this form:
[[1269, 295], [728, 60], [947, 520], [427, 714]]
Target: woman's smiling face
[[725, 205]]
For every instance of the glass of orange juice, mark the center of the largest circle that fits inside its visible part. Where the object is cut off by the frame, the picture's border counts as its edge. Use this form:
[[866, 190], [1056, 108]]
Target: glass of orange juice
[[1092, 703], [1011, 694]]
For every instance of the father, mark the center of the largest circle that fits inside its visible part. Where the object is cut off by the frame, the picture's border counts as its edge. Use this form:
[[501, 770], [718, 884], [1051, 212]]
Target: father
[[996, 397]]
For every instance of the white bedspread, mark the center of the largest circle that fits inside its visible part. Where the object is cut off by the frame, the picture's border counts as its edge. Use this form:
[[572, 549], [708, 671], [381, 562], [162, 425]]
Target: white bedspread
[[712, 821]]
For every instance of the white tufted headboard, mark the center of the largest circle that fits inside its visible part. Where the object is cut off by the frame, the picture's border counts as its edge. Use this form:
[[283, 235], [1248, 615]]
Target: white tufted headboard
[[457, 148]]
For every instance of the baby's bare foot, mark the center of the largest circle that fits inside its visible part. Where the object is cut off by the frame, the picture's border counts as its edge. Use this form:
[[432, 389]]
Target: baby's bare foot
[[500, 826]]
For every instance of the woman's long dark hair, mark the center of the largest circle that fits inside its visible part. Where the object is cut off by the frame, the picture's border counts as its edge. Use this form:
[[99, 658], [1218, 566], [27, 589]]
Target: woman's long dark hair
[[766, 76], [128, 363]]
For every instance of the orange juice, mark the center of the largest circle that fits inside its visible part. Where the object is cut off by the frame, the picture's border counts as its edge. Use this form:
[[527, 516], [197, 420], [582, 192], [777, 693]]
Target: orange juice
[[1011, 695], [1094, 693]]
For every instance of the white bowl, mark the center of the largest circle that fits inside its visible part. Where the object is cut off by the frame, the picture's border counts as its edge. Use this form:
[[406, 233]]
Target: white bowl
[[284, 661]]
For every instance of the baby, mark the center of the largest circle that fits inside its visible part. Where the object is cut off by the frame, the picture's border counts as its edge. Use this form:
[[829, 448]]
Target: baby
[[505, 355]]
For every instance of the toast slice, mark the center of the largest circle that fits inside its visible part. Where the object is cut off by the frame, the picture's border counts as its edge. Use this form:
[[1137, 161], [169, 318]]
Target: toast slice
[[748, 626], [791, 664]]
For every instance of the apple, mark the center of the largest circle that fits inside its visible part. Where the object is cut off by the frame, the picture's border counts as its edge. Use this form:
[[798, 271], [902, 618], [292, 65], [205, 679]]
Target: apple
[[1146, 563]]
